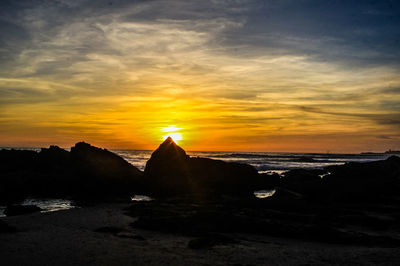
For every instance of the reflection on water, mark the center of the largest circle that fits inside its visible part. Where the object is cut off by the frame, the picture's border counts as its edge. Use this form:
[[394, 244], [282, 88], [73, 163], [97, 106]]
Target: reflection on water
[[141, 198], [47, 205], [323, 175], [270, 172], [262, 194]]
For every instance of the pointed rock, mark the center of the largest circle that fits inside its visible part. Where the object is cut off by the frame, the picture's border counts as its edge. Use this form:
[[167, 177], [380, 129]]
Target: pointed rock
[[168, 170], [171, 171]]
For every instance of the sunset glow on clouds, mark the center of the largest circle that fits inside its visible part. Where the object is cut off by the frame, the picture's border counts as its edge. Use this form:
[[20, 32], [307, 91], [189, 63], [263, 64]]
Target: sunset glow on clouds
[[230, 75]]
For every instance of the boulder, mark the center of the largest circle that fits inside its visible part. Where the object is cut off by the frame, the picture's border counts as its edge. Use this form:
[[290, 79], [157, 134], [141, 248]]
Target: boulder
[[167, 170], [268, 181], [101, 171], [215, 176], [171, 171], [53, 159], [17, 160], [84, 172], [100, 162], [13, 210], [363, 182], [303, 181]]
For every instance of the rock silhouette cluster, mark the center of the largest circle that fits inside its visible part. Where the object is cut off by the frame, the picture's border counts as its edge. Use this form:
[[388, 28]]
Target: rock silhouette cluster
[[88, 171], [85, 171]]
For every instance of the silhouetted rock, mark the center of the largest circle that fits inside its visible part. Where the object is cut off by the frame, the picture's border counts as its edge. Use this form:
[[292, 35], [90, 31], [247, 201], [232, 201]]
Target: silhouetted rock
[[167, 170], [306, 182], [16, 160], [171, 171], [16, 169], [363, 182], [53, 159], [85, 172], [95, 161], [267, 181], [305, 220], [13, 210], [103, 172], [215, 176]]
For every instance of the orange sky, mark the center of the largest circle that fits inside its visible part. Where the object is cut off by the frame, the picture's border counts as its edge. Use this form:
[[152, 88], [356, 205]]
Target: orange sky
[[229, 78]]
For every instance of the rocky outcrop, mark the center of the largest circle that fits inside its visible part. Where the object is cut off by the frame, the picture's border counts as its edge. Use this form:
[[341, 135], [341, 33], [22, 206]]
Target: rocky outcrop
[[352, 182], [306, 182], [90, 160], [86, 171], [167, 171], [171, 171], [363, 182]]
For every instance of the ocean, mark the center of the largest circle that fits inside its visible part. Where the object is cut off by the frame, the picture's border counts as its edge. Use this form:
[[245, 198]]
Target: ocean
[[264, 162]]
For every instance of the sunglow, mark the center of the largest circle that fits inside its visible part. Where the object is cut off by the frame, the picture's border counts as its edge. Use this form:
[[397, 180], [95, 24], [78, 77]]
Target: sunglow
[[171, 132]]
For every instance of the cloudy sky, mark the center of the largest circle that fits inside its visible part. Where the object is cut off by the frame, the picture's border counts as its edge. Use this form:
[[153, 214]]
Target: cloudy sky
[[273, 75]]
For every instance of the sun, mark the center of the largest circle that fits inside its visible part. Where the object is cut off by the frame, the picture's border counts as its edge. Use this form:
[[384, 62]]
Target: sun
[[172, 132]]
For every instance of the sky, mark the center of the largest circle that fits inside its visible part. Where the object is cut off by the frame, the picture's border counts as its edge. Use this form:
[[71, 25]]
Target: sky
[[233, 75]]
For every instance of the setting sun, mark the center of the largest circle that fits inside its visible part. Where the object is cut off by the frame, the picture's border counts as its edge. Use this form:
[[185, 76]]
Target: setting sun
[[171, 132]]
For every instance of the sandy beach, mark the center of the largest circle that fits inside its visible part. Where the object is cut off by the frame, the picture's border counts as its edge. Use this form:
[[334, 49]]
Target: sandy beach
[[68, 238]]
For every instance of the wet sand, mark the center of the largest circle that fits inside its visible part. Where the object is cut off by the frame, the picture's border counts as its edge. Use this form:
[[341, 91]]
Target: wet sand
[[68, 238]]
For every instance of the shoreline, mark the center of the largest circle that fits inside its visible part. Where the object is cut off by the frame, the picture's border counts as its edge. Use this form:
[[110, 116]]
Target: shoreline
[[68, 237]]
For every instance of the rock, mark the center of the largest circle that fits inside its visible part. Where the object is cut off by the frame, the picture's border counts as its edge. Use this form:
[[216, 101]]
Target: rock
[[95, 161], [13, 210], [363, 182], [100, 171], [303, 181], [85, 172], [215, 176], [17, 160], [267, 181], [171, 171], [53, 159], [167, 170]]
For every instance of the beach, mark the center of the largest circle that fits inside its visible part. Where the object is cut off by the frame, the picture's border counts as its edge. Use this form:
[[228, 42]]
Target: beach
[[68, 237], [89, 206]]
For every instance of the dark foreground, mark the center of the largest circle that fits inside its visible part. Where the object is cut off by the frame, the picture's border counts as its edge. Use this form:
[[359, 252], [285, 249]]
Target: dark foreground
[[104, 235], [204, 212]]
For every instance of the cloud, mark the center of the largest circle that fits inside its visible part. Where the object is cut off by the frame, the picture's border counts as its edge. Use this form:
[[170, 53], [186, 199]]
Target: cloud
[[240, 67]]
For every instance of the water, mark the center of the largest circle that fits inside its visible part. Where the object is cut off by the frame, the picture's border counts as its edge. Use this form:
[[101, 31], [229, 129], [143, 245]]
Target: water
[[141, 198], [264, 162], [47, 205], [262, 194]]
